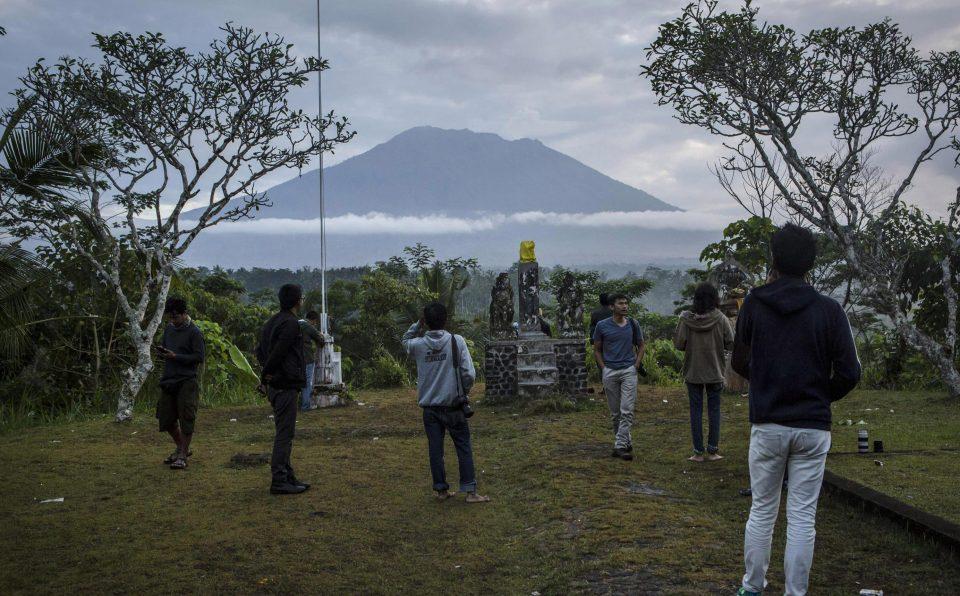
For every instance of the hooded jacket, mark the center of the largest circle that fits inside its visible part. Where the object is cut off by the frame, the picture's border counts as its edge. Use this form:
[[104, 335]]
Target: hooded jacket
[[704, 339], [186, 342], [796, 348], [436, 375]]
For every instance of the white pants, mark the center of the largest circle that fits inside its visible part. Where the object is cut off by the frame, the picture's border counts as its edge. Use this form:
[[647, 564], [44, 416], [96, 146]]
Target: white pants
[[620, 386], [802, 452]]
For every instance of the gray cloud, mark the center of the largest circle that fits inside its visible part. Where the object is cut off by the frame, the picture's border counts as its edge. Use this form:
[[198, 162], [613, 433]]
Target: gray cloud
[[563, 71]]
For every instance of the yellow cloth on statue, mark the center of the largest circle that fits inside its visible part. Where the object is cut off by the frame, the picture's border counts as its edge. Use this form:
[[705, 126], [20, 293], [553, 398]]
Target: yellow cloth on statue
[[526, 251]]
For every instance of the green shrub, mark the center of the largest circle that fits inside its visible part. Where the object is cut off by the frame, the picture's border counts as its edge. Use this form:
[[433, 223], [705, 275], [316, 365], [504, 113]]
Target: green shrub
[[383, 371], [663, 362]]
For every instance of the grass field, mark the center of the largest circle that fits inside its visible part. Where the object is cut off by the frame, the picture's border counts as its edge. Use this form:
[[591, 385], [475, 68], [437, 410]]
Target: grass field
[[921, 442], [565, 518]]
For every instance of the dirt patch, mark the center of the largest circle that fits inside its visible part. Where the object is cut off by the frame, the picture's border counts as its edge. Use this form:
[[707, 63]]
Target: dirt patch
[[249, 460], [642, 488], [620, 582], [584, 450]]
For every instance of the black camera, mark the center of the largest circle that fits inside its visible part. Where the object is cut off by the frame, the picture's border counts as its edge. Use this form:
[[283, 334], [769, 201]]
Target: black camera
[[466, 409]]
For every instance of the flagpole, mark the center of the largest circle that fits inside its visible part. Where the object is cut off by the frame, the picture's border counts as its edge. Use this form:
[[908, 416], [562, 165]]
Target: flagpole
[[323, 207]]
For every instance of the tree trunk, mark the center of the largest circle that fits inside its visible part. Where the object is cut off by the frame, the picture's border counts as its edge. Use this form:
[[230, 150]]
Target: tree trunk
[[142, 340], [936, 355], [133, 379]]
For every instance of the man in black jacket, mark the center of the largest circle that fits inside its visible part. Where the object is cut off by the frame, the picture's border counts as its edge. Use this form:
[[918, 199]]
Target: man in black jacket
[[182, 349], [796, 348], [281, 356]]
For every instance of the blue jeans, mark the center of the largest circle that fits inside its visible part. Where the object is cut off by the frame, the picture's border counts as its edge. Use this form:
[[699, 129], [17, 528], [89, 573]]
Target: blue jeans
[[695, 391], [436, 421], [307, 391]]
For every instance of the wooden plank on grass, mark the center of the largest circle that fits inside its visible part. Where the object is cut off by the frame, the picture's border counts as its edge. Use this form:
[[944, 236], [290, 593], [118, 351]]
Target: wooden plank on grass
[[929, 526]]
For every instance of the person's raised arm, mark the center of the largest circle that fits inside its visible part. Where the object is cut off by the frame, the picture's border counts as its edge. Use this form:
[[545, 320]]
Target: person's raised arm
[[843, 356], [315, 335], [407, 341]]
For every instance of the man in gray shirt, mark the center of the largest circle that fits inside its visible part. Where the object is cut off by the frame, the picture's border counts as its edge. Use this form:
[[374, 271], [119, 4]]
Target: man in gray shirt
[[445, 374], [618, 349]]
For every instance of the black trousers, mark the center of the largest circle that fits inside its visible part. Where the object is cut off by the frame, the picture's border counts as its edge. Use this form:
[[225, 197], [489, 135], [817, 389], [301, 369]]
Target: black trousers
[[437, 420], [285, 403]]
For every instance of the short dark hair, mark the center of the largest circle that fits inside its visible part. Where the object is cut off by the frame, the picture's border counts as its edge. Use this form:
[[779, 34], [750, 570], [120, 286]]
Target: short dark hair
[[618, 296], [604, 299], [705, 298], [313, 316], [175, 306], [289, 295], [435, 315], [794, 250]]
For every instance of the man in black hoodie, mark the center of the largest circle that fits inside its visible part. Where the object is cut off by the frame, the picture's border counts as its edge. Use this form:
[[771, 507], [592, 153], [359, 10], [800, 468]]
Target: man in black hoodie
[[280, 353], [796, 348], [182, 349]]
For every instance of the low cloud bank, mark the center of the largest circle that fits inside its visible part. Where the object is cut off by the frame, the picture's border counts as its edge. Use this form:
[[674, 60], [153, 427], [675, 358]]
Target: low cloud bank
[[382, 223]]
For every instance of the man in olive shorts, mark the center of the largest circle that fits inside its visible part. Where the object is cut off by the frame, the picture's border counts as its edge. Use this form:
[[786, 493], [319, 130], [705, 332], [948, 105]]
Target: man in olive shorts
[[182, 350]]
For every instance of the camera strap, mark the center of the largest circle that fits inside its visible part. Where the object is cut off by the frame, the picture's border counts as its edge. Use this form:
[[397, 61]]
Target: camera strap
[[455, 351]]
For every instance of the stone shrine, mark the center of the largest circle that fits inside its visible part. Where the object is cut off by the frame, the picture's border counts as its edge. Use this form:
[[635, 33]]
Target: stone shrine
[[527, 363]]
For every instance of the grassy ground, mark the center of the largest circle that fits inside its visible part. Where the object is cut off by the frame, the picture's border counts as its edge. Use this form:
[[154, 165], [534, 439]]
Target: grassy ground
[[925, 425], [565, 518]]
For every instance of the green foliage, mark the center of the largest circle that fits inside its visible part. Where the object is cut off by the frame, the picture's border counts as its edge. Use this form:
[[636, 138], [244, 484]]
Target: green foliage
[[592, 284], [656, 326], [747, 241], [223, 362], [21, 275], [240, 322], [384, 370], [663, 362]]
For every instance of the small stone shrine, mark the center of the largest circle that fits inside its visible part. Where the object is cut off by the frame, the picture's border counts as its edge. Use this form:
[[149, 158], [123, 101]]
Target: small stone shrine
[[525, 362]]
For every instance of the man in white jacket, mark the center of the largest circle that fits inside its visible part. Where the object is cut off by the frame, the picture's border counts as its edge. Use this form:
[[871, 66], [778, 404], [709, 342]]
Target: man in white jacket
[[445, 374]]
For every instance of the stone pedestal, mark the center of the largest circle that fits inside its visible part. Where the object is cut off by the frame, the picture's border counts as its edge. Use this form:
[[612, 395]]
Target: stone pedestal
[[533, 367]]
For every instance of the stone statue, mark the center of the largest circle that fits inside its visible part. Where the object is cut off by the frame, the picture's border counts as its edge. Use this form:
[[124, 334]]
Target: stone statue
[[730, 275], [529, 280], [527, 254], [569, 307], [501, 307]]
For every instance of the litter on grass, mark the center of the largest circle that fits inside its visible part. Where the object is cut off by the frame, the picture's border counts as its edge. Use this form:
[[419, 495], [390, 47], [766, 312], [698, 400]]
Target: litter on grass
[[57, 500]]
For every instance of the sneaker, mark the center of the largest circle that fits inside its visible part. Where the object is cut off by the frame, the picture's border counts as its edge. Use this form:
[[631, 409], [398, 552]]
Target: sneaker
[[622, 454], [286, 488], [743, 592]]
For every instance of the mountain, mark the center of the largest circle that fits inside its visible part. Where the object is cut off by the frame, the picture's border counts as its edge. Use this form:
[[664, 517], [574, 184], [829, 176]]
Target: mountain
[[464, 194], [427, 170]]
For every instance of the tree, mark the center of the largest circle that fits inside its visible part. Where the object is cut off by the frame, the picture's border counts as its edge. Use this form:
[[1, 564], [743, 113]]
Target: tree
[[445, 280], [171, 128], [764, 87], [20, 275]]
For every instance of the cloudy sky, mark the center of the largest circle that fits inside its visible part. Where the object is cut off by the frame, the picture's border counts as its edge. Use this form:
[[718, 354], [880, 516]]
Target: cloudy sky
[[561, 71]]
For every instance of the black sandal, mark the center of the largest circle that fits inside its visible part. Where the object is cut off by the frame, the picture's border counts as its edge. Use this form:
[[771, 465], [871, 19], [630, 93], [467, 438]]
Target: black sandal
[[179, 464]]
